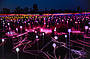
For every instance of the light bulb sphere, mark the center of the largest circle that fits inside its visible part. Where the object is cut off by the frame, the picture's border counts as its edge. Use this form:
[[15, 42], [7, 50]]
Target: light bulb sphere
[[65, 36], [86, 27], [89, 28], [3, 40], [36, 37], [54, 45], [43, 34], [56, 37], [17, 50], [69, 30], [21, 27]]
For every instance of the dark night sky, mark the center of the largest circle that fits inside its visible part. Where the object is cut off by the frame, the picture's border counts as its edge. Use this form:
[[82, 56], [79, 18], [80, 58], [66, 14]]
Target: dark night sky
[[56, 4]]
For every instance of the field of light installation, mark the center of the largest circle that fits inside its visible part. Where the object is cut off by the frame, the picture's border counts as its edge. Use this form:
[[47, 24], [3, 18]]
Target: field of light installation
[[47, 36]]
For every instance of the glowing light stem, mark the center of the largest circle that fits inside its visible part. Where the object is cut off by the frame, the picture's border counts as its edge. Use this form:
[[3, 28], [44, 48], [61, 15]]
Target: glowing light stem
[[17, 55], [17, 50], [69, 45], [2, 49], [69, 30]]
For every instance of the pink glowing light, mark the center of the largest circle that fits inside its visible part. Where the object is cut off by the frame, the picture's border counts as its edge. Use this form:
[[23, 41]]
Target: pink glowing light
[[86, 27], [16, 29], [46, 30], [76, 22]]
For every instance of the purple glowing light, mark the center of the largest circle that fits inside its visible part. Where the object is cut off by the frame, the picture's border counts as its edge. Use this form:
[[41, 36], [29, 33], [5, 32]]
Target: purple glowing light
[[69, 30], [54, 45], [86, 27]]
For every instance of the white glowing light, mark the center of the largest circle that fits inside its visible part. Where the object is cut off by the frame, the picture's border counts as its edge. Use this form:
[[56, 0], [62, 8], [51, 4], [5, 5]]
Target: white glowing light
[[35, 31], [8, 23], [41, 29], [55, 29], [21, 27], [65, 36], [56, 37], [36, 37], [54, 45], [17, 50], [69, 30], [43, 34], [8, 32], [86, 27], [3, 40], [89, 28]]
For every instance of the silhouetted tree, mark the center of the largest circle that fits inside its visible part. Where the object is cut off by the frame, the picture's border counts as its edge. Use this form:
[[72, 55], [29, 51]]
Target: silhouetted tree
[[78, 9], [17, 10], [35, 7], [5, 11], [26, 10]]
